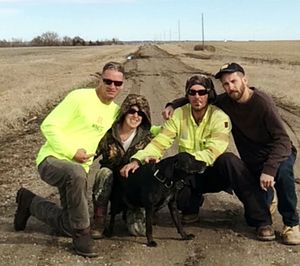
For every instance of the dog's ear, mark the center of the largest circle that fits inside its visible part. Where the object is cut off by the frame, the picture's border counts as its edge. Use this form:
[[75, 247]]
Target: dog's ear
[[167, 166], [187, 163]]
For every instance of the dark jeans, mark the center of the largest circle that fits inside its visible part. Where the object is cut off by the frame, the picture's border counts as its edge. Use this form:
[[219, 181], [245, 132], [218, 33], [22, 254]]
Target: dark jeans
[[208, 182], [286, 191], [245, 183]]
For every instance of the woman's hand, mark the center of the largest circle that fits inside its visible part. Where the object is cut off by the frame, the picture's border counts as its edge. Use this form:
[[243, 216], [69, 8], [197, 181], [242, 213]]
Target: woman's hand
[[132, 166]]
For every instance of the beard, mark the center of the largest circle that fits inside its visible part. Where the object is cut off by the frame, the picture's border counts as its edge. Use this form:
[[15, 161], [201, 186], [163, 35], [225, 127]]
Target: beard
[[198, 111], [198, 107], [238, 94]]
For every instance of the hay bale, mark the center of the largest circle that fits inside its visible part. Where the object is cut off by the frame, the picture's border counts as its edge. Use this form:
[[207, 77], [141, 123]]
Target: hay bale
[[200, 47]]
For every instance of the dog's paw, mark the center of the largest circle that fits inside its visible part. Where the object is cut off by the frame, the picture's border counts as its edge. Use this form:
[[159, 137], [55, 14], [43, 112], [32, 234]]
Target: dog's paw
[[152, 244], [188, 237]]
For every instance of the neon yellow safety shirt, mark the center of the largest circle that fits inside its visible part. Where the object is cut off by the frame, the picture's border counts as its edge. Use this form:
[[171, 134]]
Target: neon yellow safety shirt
[[205, 141], [78, 122]]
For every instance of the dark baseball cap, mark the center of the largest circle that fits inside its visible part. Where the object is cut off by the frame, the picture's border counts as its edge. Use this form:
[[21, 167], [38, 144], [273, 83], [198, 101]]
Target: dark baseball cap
[[229, 68]]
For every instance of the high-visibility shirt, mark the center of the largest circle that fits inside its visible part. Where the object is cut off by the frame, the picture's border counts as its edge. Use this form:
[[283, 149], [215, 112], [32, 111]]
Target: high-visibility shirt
[[205, 141], [78, 122]]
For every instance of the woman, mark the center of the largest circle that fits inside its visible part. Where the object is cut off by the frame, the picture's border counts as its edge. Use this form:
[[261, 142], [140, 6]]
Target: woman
[[130, 133]]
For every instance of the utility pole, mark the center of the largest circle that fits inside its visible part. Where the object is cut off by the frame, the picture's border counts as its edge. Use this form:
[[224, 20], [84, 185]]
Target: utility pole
[[202, 32], [179, 30]]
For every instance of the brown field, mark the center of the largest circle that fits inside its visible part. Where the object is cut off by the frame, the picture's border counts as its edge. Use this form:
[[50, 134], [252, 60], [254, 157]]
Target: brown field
[[33, 80], [273, 66]]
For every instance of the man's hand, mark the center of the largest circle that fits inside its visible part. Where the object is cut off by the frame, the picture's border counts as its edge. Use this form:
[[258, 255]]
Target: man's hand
[[167, 112], [82, 157], [266, 181], [151, 159], [129, 167]]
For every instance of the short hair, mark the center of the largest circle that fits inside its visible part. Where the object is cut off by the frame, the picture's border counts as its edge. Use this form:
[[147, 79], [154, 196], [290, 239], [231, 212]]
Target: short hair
[[114, 66]]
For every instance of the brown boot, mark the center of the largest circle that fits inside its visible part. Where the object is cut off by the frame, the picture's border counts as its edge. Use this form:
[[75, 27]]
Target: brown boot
[[99, 222], [83, 243], [265, 233], [23, 199]]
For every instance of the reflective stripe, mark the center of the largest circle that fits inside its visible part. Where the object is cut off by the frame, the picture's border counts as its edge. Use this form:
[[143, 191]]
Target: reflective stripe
[[205, 141], [168, 133], [158, 145]]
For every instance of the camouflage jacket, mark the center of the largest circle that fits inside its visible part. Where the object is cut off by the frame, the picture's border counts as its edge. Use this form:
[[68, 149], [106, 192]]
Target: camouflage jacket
[[113, 154], [110, 147]]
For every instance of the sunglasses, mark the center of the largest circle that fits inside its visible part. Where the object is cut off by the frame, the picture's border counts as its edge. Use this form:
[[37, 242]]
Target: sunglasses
[[117, 83], [192, 92], [133, 111]]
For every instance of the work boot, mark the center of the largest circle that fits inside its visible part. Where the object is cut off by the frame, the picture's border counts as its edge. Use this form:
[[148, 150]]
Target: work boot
[[99, 222], [83, 243], [265, 233], [190, 218], [291, 235], [23, 199]]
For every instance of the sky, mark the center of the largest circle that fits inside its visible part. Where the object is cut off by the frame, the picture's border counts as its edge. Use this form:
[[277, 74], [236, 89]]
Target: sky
[[164, 20]]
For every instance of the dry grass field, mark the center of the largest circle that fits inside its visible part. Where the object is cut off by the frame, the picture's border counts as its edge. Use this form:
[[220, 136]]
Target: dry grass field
[[33, 80], [273, 66]]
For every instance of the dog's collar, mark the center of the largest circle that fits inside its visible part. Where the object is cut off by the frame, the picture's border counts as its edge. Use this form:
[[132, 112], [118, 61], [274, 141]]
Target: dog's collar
[[167, 183]]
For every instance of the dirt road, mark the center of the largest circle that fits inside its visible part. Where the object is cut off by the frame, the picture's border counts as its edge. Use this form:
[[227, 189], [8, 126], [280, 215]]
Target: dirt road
[[222, 237]]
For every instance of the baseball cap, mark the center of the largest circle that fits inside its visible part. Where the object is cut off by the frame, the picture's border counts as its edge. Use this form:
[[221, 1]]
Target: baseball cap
[[229, 68]]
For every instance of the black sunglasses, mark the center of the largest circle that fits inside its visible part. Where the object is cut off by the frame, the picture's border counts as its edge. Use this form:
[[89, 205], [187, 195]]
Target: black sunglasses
[[133, 111], [117, 83], [199, 92]]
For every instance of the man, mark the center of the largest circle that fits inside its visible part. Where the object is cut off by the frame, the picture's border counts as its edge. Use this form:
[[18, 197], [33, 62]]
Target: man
[[266, 153], [72, 131], [201, 130]]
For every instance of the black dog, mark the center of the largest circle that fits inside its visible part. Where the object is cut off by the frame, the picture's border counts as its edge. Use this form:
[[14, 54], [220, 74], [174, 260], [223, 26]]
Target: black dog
[[151, 186]]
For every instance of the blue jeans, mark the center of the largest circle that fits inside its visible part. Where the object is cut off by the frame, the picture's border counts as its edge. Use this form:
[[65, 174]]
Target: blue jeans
[[286, 191], [245, 183]]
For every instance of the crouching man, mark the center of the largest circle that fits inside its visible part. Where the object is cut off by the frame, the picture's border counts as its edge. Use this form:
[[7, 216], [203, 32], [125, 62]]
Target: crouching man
[[201, 130]]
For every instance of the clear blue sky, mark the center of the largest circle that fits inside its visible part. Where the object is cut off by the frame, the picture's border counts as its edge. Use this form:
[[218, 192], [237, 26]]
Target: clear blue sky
[[151, 19]]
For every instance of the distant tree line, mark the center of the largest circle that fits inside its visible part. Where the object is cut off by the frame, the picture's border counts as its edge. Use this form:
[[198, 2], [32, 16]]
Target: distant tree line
[[52, 39]]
